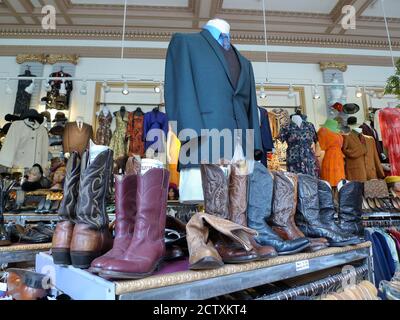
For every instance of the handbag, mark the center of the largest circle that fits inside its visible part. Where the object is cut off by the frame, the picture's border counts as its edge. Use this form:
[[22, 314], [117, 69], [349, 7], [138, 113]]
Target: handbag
[[376, 189]]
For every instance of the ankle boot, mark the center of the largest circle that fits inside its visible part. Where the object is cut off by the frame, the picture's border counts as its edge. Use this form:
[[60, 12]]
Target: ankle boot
[[125, 212], [147, 248], [216, 203], [327, 212], [64, 229], [91, 237], [350, 205], [259, 211], [308, 214], [284, 210], [238, 189], [202, 253]]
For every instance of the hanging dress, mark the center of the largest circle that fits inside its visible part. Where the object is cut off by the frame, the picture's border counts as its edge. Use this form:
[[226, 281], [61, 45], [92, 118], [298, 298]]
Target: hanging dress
[[103, 134], [118, 144], [389, 121], [332, 169], [135, 134]]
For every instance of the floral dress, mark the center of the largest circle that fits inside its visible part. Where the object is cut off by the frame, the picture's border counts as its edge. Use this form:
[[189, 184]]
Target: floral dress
[[118, 144], [300, 156], [103, 134], [135, 133]]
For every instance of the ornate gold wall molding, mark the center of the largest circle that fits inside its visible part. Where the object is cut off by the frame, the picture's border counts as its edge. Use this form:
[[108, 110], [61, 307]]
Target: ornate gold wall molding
[[333, 65], [48, 59]]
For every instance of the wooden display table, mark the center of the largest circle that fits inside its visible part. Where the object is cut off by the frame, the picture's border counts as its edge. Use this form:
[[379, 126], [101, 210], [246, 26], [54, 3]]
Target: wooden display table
[[22, 252]]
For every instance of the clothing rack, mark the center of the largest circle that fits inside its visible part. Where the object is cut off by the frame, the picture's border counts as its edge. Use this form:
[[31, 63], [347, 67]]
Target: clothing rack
[[382, 223], [319, 287], [281, 107]]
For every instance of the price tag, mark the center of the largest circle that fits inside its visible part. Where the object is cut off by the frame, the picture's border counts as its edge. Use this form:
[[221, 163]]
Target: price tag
[[302, 265]]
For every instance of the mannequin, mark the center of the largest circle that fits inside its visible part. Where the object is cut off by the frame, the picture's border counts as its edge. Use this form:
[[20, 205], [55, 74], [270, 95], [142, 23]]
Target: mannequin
[[103, 133], [297, 119], [104, 109], [220, 24]]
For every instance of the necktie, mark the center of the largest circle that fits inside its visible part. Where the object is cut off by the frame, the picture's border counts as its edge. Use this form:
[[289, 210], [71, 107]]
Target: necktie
[[225, 41]]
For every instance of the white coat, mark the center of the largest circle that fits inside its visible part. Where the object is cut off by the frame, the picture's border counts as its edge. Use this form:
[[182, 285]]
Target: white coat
[[25, 145]]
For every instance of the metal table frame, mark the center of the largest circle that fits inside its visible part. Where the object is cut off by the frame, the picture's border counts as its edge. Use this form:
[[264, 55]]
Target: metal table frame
[[96, 288]]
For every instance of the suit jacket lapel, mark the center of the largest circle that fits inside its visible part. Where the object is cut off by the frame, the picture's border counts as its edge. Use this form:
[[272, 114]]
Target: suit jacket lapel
[[217, 49]]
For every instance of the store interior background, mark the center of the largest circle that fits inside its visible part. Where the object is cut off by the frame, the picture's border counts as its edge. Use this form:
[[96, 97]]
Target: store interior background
[[369, 63]]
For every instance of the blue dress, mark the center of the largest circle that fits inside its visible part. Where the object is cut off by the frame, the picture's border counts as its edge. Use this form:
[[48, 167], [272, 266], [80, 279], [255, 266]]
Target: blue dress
[[156, 139]]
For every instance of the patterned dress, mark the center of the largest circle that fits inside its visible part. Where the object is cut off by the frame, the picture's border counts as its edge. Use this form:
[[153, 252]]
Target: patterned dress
[[103, 134], [135, 133], [118, 144], [300, 156]]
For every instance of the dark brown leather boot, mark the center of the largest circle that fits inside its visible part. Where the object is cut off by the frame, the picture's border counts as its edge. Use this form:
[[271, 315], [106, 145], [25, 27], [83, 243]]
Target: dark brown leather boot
[[27, 285], [125, 212], [238, 188], [91, 237], [146, 251], [64, 229], [284, 210]]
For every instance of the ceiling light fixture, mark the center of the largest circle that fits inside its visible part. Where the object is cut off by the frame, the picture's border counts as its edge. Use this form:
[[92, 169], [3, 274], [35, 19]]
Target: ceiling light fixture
[[8, 88], [316, 94], [157, 89], [106, 87], [125, 90], [359, 92], [29, 89], [263, 94], [291, 93], [83, 89], [63, 90]]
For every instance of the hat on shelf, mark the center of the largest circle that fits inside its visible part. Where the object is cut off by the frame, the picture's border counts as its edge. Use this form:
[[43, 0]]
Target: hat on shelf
[[32, 114], [47, 115], [352, 121], [11, 117], [60, 117], [392, 179], [337, 106], [351, 108], [332, 125]]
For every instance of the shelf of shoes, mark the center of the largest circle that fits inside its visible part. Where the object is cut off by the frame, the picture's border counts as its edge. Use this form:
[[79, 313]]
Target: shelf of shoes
[[22, 252], [197, 285]]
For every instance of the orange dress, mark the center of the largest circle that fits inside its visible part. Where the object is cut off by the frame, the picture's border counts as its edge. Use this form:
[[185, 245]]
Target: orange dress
[[332, 169]]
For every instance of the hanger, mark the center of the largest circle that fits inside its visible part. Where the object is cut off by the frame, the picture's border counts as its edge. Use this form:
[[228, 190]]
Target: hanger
[[28, 70], [156, 109]]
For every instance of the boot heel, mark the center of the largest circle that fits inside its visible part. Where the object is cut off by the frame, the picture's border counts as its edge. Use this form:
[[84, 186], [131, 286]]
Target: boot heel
[[83, 260], [61, 257]]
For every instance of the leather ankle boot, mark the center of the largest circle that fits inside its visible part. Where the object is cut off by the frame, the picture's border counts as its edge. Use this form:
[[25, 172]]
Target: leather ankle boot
[[327, 212], [27, 285], [64, 229], [350, 208], [91, 237], [216, 203], [308, 213], [147, 247], [125, 212], [259, 211]]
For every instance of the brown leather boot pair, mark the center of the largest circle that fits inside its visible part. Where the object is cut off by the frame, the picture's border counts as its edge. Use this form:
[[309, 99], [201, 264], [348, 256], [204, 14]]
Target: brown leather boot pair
[[83, 233], [141, 206], [227, 199]]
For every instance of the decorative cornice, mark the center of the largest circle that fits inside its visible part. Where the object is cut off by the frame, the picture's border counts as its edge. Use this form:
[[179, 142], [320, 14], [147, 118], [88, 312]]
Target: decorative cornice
[[337, 41], [333, 65], [47, 59]]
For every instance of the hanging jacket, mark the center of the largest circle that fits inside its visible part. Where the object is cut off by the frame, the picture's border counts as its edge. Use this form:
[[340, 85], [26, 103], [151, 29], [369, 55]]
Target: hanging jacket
[[25, 145], [155, 120]]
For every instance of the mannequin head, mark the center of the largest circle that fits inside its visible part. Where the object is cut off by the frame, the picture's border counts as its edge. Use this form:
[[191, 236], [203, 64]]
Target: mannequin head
[[221, 25], [297, 119], [58, 178], [352, 123]]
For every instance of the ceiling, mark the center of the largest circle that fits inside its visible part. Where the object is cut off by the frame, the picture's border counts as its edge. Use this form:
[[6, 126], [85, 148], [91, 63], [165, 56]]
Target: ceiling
[[289, 22]]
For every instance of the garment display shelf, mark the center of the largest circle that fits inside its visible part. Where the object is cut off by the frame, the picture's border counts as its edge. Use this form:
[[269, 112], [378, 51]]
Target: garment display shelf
[[25, 217], [380, 215], [199, 285], [21, 252]]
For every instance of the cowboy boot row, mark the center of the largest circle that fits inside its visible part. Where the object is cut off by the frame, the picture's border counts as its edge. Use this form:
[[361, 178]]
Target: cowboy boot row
[[284, 211], [259, 211], [84, 234], [308, 216], [146, 246], [220, 195]]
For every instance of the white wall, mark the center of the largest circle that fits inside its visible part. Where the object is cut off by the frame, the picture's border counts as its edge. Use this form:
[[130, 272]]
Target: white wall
[[154, 69]]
